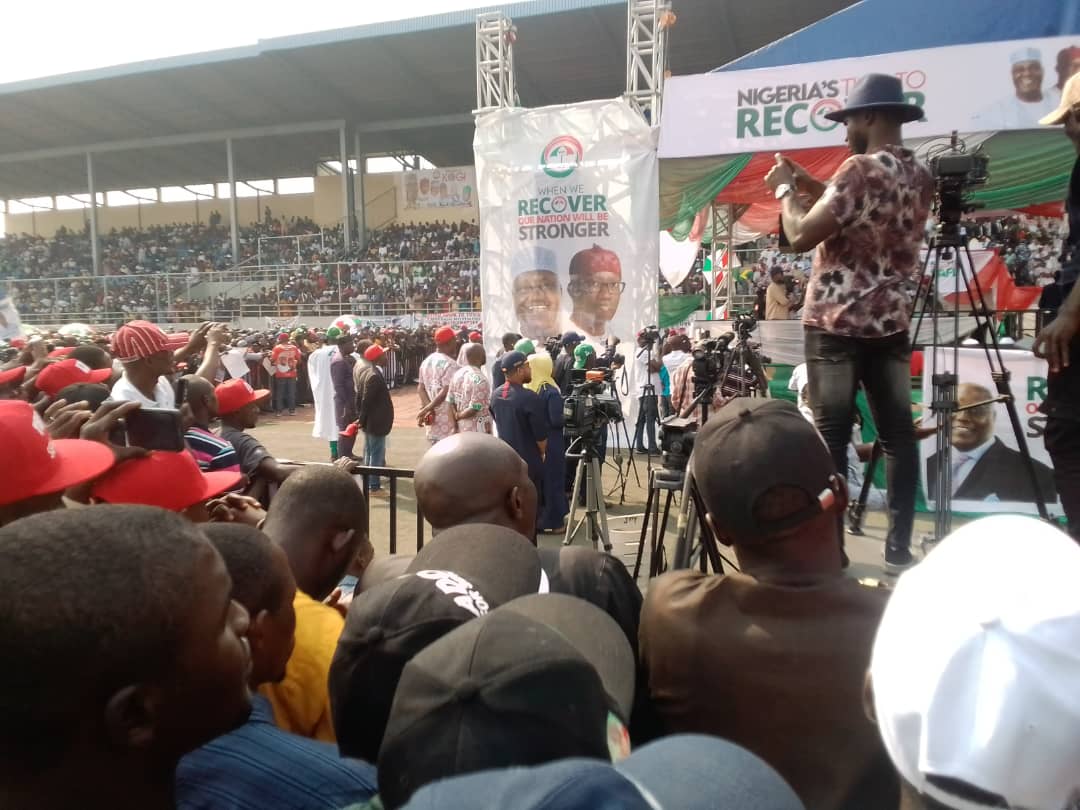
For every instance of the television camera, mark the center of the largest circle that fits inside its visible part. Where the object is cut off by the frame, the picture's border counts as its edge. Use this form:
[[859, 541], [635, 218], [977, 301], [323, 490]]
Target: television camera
[[591, 405]]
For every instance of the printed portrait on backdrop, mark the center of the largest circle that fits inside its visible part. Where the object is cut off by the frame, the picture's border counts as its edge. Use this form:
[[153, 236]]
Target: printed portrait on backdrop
[[537, 292], [569, 222], [1028, 99], [596, 287], [988, 472]]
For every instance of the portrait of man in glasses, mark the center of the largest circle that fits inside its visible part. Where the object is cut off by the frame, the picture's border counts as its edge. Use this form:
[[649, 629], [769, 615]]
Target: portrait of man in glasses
[[983, 467], [596, 287], [537, 292]]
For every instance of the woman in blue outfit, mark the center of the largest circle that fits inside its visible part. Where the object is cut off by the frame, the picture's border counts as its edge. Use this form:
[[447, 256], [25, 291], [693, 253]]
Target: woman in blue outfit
[[554, 508]]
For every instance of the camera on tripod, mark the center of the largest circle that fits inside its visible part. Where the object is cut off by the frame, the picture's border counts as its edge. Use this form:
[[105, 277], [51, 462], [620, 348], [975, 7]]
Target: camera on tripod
[[957, 173], [677, 442], [744, 325], [650, 334], [590, 406]]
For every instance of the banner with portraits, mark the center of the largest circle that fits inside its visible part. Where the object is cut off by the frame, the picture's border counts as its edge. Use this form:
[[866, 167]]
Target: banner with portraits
[[453, 187], [568, 222], [988, 473], [784, 107]]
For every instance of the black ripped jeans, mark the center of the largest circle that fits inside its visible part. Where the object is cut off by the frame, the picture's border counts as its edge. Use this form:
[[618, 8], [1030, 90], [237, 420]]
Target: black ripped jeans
[[835, 366]]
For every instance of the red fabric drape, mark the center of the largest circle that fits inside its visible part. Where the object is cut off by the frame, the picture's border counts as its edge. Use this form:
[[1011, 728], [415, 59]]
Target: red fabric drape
[[749, 185], [1050, 209]]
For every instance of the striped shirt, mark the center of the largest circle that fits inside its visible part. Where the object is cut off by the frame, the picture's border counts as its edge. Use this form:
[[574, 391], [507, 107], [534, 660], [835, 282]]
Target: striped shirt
[[259, 766], [212, 452]]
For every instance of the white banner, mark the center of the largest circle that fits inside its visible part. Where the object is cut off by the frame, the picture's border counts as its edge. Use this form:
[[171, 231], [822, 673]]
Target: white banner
[[437, 188], [987, 471], [970, 88], [569, 222]]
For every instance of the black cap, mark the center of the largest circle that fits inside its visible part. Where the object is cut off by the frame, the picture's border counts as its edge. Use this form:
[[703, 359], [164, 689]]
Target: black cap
[[512, 360], [542, 678], [505, 562], [467, 571], [571, 338], [751, 446]]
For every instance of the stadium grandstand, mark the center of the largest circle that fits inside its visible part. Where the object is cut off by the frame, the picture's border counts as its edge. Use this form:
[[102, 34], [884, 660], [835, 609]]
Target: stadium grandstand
[[240, 183]]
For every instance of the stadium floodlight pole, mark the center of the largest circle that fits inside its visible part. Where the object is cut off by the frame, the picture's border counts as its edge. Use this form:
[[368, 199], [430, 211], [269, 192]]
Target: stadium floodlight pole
[[234, 226], [94, 247]]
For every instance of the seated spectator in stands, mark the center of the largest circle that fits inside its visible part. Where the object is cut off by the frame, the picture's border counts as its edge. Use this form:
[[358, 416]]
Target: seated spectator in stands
[[211, 452], [541, 678], [171, 481], [258, 765], [790, 691], [320, 520], [238, 409], [475, 478], [38, 467], [98, 712], [143, 350], [391, 622], [974, 697]]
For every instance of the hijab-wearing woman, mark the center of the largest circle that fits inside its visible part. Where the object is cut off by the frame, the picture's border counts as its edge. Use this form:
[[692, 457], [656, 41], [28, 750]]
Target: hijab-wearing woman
[[554, 508]]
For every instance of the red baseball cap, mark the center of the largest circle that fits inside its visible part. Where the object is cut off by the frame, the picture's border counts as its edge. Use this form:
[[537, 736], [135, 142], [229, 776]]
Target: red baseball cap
[[475, 336], [235, 394], [37, 464], [63, 351], [12, 375], [172, 481], [68, 372], [137, 340], [444, 334], [374, 352]]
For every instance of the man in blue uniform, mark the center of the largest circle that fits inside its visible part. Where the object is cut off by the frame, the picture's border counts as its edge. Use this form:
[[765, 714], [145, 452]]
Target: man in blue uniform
[[520, 418]]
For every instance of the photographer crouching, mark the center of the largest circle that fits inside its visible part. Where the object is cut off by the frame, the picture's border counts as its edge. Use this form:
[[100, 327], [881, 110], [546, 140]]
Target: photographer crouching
[[867, 225]]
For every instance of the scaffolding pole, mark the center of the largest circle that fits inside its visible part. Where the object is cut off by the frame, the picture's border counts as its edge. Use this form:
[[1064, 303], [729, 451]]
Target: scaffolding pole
[[234, 226], [495, 84], [647, 26], [95, 251]]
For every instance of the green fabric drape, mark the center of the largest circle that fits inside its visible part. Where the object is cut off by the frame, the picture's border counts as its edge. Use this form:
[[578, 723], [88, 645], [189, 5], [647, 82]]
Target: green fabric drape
[[675, 309], [1026, 168], [688, 184]]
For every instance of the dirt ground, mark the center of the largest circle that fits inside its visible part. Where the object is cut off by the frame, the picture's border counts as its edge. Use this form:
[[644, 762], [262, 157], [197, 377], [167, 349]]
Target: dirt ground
[[289, 437]]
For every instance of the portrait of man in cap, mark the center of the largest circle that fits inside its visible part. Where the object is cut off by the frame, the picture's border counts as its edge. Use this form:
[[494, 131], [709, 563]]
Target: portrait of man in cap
[[1028, 101], [537, 292], [595, 288]]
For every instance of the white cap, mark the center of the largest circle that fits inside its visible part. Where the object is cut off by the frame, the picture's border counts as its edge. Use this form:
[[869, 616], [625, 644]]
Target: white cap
[[1025, 55], [533, 258], [976, 665]]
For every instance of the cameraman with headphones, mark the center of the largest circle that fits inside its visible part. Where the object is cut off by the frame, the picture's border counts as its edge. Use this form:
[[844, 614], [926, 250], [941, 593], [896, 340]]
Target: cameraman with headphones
[[647, 375]]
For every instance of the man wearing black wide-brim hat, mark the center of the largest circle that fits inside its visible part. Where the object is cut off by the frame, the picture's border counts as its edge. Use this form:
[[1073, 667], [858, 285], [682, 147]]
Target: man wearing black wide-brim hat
[[867, 225]]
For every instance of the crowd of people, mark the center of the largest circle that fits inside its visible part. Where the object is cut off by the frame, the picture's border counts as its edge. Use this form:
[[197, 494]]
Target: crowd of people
[[240, 644], [289, 267]]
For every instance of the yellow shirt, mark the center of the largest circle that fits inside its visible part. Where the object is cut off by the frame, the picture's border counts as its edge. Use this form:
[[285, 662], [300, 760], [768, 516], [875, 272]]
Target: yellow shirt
[[301, 702]]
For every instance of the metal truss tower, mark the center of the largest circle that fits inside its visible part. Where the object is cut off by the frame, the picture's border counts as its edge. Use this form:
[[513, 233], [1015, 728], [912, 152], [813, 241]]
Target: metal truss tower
[[495, 88], [647, 26]]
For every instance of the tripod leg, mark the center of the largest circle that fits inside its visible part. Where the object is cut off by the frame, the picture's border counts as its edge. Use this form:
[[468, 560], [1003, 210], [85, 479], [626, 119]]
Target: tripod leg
[[681, 555], [659, 564], [653, 494], [571, 527], [601, 509]]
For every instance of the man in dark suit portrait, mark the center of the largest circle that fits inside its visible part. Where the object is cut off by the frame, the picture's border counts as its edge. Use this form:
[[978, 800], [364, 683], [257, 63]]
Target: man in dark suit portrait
[[983, 467]]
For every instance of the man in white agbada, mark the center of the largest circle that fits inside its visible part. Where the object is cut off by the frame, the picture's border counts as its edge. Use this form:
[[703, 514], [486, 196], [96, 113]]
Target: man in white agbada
[[322, 391]]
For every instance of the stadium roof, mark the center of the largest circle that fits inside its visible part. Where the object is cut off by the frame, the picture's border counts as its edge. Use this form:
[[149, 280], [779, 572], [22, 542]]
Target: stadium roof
[[406, 87]]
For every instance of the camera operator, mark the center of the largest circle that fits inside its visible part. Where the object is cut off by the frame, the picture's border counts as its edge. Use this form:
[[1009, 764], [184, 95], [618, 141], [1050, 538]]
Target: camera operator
[[646, 373], [564, 363], [867, 225], [1058, 341], [778, 301], [683, 391]]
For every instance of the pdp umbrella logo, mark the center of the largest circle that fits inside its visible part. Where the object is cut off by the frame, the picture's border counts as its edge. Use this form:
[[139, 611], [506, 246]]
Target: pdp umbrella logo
[[561, 156]]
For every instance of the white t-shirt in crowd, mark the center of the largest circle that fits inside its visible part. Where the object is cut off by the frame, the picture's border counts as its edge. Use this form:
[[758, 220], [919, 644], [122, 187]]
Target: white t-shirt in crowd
[[164, 396], [641, 370], [672, 360]]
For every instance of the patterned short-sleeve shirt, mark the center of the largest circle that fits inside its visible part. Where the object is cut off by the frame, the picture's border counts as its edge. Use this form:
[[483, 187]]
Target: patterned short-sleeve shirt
[[469, 388], [861, 275], [435, 374]]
